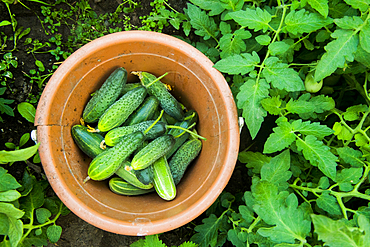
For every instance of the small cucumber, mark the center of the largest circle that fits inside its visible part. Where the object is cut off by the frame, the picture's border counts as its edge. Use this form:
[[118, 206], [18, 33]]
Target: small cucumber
[[153, 151], [163, 181], [129, 86], [87, 141], [130, 177], [145, 112], [183, 157], [115, 135], [107, 163], [105, 96], [168, 103], [117, 113], [145, 175], [121, 187]]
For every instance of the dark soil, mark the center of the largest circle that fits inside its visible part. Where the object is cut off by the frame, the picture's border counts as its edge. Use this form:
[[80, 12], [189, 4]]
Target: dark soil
[[76, 232]]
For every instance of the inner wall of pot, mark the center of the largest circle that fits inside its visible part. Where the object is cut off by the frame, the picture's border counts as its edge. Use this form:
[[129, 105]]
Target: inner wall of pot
[[195, 93]]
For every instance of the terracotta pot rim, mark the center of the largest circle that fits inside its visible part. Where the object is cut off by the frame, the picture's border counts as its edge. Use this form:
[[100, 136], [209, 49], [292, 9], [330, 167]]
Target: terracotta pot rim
[[145, 228]]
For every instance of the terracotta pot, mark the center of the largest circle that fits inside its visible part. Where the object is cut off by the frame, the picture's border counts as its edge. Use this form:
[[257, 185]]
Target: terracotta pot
[[196, 84]]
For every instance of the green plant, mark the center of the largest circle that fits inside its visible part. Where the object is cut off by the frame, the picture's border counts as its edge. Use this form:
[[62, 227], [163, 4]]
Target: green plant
[[4, 105], [153, 240]]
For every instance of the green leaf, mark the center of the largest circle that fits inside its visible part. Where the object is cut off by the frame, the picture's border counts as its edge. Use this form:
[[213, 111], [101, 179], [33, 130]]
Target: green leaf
[[281, 137], [256, 19], [348, 22], [365, 37], [53, 232], [214, 6], [249, 100], [278, 47], [308, 128], [10, 210], [362, 5], [232, 236], [5, 23], [263, 39], [207, 232], [247, 214], [351, 175], [139, 243], [27, 111], [320, 6], [281, 76], [351, 156], [188, 244], [238, 64], [34, 200], [18, 155], [342, 132], [253, 160], [337, 53], [277, 171], [272, 105], [42, 215], [24, 139], [4, 224], [329, 204], [318, 154], [9, 196], [34, 241], [282, 211], [205, 26], [8, 182], [352, 113], [302, 21], [231, 44], [323, 183], [15, 231], [336, 233]]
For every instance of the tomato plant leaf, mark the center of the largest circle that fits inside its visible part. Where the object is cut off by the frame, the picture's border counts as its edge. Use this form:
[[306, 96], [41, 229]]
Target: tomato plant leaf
[[35, 199], [256, 19], [215, 6], [9, 195], [278, 47], [351, 175], [254, 160], [338, 51], [318, 154], [329, 204], [8, 182], [365, 37], [362, 5], [231, 44], [320, 6], [302, 21], [238, 64], [249, 99], [281, 76], [42, 215], [263, 39], [54, 232], [15, 231], [308, 128], [351, 156], [277, 170], [205, 26], [348, 22], [281, 137], [272, 105], [207, 233]]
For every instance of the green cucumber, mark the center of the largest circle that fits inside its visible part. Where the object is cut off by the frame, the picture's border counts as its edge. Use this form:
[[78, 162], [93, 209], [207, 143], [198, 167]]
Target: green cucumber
[[129, 176], [190, 118], [88, 142], [115, 135], [105, 96], [129, 86], [183, 157], [145, 112], [153, 151], [117, 113], [166, 100], [145, 175], [163, 181], [107, 163], [121, 187]]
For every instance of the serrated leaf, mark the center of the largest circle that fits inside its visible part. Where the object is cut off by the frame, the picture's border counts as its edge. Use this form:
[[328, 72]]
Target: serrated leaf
[[272, 105], [280, 210], [337, 53], [320, 6], [238, 64], [207, 232], [362, 5], [247, 214], [281, 76], [54, 232], [302, 21], [232, 5], [277, 170], [205, 26], [329, 204], [231, 44], [351, 156], [351, 175], [336, 233], [281, 137], [249, 100], [348, 22], [8, 182], [253, 160], [27, 111], [318, 154], [35, 199], [232, 236], [214, 6], [278, 47], [342, 132], [256, 19], [300, 106], [308, 128], [188, 244], [352, 113], [365, 37]]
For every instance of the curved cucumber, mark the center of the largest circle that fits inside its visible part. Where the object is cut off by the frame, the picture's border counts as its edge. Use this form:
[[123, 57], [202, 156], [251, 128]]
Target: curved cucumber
[[115, 135], [145, 175], [183, 157], [87, 141], [130, 177], [145, 112], [153, 151], [105, 96], [107, 163], [168, 103], [121, 187], [163, 181], [117, 113]]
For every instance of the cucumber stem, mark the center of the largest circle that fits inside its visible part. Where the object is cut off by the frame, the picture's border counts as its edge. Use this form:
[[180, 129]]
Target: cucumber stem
[[186, 130], [154, 123], [91, 129], [102, 145], [151, 83], [82, 121], [86, 179], [190, 117], [191, 126]]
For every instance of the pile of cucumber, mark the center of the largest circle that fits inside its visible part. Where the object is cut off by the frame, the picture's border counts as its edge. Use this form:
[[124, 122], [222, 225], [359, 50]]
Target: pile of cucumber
[[144, 140]]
